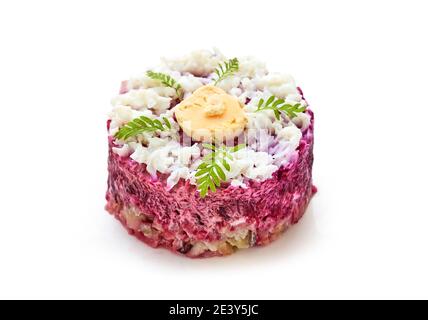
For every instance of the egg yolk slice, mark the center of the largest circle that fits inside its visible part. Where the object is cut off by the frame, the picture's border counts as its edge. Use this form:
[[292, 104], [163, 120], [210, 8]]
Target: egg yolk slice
[[210, 114]]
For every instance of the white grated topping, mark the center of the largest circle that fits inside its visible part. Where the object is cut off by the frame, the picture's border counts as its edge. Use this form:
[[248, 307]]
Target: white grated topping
[[271, 143]]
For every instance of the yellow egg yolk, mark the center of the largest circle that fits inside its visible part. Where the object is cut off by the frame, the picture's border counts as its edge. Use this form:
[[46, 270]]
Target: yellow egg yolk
[[210, 114]]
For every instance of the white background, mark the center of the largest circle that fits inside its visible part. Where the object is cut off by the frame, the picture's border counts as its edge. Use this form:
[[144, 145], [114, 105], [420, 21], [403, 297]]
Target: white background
[[363, 68]]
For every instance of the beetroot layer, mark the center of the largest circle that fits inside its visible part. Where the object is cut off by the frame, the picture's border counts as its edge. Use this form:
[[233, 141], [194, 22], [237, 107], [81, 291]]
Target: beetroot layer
[[179, 219]]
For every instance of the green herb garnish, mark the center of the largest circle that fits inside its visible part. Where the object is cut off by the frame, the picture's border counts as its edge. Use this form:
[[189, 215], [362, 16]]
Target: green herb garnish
[[210, 172], [166, 80], [140, 125], [278, 105], [226, 70]]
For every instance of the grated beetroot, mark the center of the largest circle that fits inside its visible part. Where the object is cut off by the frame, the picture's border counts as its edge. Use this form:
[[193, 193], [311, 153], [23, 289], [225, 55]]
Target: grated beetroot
[[180, 220]]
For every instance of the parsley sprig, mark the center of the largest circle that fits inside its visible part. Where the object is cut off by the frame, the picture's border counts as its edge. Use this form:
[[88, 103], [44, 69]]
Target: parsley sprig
[[140, 125], [226, 70], [166, 80], [210, 172], [278, 106]]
